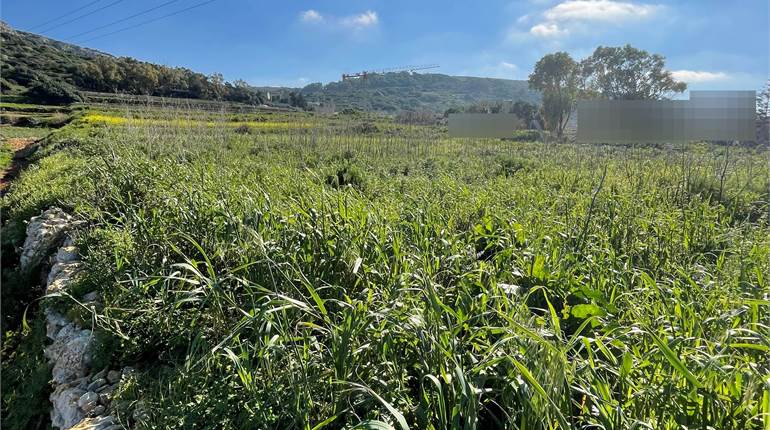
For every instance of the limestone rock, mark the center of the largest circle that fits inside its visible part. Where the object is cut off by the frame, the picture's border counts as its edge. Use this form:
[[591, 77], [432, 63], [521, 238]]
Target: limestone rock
[[54, 322], [67, 254], [81, 383], [97, 384], [65, 412], [44, 232], [76, 394], [93, 296], [88, 402], [113, 376], [98, 423], [70, 353], [101, 374], [62, 275], [106, 389]]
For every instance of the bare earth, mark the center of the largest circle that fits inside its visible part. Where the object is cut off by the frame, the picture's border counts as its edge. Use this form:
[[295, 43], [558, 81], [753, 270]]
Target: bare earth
[[17, 145]]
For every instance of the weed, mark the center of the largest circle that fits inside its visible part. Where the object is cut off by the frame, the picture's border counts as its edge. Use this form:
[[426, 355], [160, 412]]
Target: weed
[[349, 175], [605, 286]]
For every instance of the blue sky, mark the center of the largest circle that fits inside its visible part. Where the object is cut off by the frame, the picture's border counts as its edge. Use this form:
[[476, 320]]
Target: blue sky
[[709, 44]]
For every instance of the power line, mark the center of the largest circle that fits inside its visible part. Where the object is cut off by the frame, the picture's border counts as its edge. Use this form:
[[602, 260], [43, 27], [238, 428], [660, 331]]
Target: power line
[[123, 19], [83, 16], [148, 21], [64, 16]]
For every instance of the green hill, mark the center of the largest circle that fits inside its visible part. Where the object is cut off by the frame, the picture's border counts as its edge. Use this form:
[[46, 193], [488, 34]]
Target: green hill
[[41, 69], [44, 70], [414, 91], [27, 58]]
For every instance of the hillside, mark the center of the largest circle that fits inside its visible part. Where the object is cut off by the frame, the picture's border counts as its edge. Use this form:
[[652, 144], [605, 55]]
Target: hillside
[[40, 69], [26, 57], [45, 70], [414, 91]]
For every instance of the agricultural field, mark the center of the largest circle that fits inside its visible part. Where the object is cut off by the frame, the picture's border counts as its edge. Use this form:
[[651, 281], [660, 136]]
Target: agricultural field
[[294, 270], [21, 125]]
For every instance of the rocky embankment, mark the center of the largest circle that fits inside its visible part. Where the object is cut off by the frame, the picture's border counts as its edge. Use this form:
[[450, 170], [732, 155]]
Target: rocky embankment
[[81, 395]]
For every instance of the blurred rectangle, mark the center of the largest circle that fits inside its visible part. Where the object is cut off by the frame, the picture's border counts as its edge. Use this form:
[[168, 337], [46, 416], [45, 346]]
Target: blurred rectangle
[[707, 115], [494, 125]]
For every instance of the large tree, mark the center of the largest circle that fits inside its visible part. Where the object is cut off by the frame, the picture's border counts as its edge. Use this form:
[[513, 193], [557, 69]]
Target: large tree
[[217, 85], [628, 73], [556, 77], [527, 112]]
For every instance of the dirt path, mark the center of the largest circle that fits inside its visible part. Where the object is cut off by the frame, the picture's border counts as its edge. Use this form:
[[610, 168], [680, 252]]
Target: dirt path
[[22, 147]]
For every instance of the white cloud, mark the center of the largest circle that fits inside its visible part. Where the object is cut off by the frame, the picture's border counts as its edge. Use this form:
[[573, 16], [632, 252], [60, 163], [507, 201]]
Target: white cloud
[[311, 16], [599, 10], [359, 21], [693, 76], [507, 65], [366, 19], [576, 15], [548, 29]]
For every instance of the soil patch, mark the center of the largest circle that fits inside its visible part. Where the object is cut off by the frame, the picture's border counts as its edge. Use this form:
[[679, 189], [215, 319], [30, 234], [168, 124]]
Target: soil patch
[[22, 148]]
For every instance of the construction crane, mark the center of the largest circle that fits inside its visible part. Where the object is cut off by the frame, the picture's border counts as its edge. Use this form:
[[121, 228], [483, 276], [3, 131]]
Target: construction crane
[[366, 73]]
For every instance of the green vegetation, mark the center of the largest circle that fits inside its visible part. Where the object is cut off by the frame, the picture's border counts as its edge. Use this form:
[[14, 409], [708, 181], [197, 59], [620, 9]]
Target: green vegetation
[[621, 73], [9, 132], [360, 272], [616, 72], [392, 92], [556, 75], [6, 156], [25, 375], [26, 121], [43, 89], [45, 70], [26, 107], [49, 71]]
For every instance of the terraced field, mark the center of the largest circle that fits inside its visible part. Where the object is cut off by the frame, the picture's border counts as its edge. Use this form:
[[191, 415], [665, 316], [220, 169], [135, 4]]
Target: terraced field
[[286, 270]]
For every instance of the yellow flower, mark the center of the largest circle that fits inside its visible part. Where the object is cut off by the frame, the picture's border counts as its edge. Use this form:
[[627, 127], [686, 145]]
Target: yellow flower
[[119, 120]]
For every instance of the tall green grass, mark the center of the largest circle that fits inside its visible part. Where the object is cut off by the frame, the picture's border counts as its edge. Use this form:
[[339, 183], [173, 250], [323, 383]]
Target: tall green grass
[[454, 284]]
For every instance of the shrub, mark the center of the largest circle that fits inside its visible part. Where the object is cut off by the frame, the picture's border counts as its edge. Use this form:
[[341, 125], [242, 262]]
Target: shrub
[[346, 176], [525, 136], [366, 128], [57, 120], [416, 117], [27, 121], [509, 166], [48, 91], [243, 129]]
